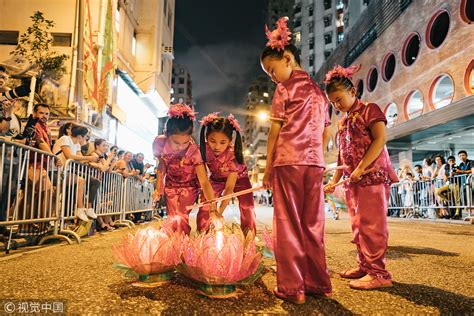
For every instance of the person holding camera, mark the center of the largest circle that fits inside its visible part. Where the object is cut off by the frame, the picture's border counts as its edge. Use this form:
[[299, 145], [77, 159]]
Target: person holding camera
[[6, 106], [105, 164], [9, 122], [450, 191]]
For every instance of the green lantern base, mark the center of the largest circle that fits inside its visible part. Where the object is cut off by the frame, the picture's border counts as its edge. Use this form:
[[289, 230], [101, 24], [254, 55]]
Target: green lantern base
[[218, 291], [152, 280]]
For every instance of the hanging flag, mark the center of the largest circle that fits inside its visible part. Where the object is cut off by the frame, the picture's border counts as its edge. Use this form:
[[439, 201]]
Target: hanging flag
[[90, 63], [108, 56]]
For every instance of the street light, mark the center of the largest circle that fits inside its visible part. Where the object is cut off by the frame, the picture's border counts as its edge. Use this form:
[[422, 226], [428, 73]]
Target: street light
[[265, 116]]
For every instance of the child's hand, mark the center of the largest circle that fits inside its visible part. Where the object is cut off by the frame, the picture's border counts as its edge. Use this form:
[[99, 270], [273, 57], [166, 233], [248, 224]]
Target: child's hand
[[329, 188], [7, 106], [356, 175], [217, 220], [156, 195], [266, 180]]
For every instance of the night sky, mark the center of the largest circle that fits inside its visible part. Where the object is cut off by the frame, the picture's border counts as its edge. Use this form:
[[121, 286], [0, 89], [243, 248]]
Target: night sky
[[220, 43]]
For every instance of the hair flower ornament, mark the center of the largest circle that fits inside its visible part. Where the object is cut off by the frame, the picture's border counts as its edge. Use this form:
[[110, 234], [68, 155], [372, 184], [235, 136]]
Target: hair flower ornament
[[341, 72], [279, 37], [181, 110], [234, 122], [209, 118]]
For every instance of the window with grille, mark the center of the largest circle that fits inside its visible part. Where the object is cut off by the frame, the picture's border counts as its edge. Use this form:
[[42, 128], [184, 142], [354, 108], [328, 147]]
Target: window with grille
[[9, 37]]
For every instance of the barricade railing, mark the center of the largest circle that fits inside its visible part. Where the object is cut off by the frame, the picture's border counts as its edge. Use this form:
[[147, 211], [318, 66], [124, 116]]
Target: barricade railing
[[85, 187], [109, 195], [427, 198], [29, 203], [470, 196], [39, 196], [137, 197]]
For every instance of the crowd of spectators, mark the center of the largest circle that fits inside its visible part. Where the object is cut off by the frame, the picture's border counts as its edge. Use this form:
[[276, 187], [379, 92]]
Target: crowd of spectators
[[436, 188], [73, 142]]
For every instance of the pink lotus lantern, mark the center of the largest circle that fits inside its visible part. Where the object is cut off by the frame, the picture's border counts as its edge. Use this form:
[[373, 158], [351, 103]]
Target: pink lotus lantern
[[220, 260], [150, 255], [268, 250]]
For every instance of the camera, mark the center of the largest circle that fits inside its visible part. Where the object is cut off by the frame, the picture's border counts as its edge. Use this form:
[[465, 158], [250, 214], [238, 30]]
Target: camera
[[18, 92], [29, 133]]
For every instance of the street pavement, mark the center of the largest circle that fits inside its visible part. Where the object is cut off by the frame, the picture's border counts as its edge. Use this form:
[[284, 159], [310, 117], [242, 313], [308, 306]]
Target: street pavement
[[432, 266]]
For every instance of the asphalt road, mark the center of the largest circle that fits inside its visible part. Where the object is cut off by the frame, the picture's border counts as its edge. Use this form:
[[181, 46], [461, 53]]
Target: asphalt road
[[432, 265]]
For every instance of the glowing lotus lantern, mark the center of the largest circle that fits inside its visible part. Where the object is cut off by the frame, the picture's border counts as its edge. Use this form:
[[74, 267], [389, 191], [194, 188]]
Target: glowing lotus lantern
[[150, 255], [220, 260]]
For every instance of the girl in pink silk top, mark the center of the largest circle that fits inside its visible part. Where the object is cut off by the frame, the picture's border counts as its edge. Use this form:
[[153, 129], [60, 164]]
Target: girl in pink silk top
[[294, 170], [181, 170], [226, 165], [362, 139]]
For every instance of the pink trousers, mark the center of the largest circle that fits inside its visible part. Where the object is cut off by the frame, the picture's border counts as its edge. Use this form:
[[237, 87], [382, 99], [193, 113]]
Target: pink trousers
[[298, 230], [246, 205], [367, 208], [177, 198]]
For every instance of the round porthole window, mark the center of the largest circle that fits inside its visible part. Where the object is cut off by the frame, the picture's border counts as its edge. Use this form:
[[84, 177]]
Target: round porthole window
[[414, 104], [442, 91], [372, 79], [391, 113], [437, 29], [411, 48], [388, 67]]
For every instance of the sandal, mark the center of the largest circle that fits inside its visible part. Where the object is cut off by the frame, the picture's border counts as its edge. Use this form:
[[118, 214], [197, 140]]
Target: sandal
[[352, 274], [370, 285]]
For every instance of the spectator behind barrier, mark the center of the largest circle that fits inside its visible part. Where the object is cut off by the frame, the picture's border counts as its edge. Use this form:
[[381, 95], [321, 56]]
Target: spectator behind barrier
[[438, 175], [123, 166], [37, 171], [105, 165], [418, 173], [427, 169], [137, 164], [5, 106], [439, 169], [465, 168], [450, 190], [65, 129], [104, 162], [466, 165], [69, 147]]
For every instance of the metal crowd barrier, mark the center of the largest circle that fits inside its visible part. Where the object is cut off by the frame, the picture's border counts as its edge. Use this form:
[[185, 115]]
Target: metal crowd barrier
[[426, 198], [86, 187], [137, 197], [40, 199], [109, 196], [29, 182]]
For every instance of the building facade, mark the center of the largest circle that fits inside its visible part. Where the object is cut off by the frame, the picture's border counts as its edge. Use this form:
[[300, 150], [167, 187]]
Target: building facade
[[257, 126], [320, 26], [181, 85], [120, 65], [417, 65], [278, 9]]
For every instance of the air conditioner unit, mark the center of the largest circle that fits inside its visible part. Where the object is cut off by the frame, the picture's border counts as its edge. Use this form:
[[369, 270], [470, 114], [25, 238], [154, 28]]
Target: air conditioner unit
[[167, 52]]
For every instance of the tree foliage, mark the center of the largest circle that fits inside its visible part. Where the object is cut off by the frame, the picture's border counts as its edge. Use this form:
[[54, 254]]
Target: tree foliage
[[35, 45]]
